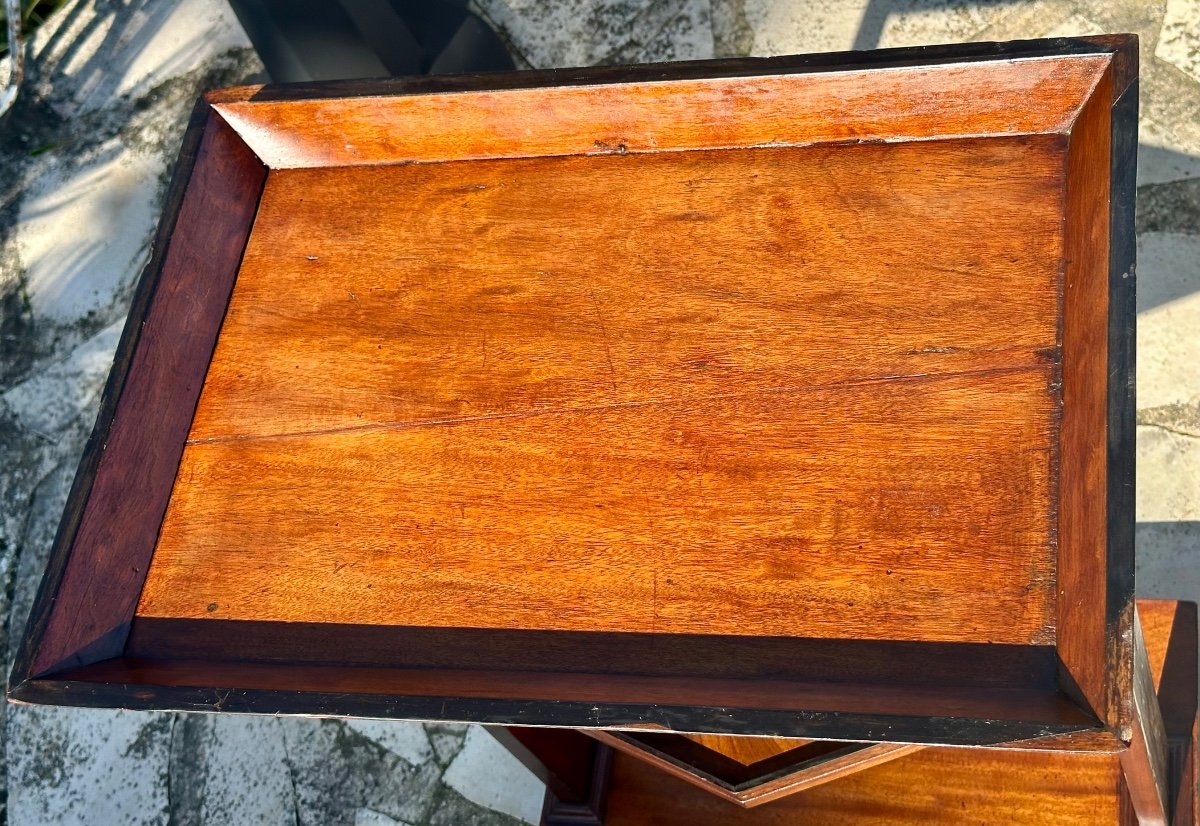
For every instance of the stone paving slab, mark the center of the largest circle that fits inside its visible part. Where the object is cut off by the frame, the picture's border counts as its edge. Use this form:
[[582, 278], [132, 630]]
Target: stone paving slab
[[84, 160]]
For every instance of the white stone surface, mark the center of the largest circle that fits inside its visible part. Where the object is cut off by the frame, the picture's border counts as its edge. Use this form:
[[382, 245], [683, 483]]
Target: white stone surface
[[108, 211], [1168, 341], [1161, 163], [1168, 469], [83, 767], [1179, 42], [370, 817], [815, 26], [406, 740], [484, 772], [245, 773], [49, 401], [112, 55], [587, 32]]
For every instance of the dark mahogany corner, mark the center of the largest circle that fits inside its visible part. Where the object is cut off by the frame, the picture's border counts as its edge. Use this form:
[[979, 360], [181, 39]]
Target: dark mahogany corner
[[86, 603], [76, 646], [574, 767]]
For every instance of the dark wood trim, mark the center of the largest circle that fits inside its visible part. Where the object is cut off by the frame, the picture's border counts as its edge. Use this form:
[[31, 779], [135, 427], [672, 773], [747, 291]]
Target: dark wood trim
[[559, 757], [117, 529], [726, 771], [85, 475], [587, 812], [1178, 692], [1121, 423], [880, 713], [135, 445], [574, 767], [1144, 763], [899, 663]]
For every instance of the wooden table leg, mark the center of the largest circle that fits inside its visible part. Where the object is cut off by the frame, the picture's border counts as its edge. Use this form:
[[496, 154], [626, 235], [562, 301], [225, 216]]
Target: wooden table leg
[[574, 767]]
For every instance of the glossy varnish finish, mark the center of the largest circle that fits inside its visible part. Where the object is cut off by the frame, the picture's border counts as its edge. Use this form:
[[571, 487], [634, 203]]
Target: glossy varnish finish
[[963, 787], [760, 105], [783, 361], [751, 771], [583, 365], [746, 750]]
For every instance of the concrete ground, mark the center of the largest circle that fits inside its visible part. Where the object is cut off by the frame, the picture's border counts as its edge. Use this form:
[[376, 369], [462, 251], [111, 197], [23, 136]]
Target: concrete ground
[[84, 158]]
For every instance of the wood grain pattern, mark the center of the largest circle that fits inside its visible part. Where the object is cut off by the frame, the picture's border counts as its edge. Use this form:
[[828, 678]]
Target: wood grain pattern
[[826, 348], [774, 769], [434, 382], [119, 525], [746, 750], [1082, 523], [443, 514], [402, 295], [959, 787], [1021, 96]]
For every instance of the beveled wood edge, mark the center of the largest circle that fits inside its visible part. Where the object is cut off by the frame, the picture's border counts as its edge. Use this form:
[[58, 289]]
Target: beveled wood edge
[[1121, 425], [1105, 684], [1176, 675], [289, 127], [1123, 46], [772, 785], [907, 664], [85, 474], [32, 658], [114, 684]]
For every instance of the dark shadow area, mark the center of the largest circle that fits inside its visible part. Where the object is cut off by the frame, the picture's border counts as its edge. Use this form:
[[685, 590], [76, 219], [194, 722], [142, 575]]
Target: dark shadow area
[[877, 12], [1168, 556], [306, 40]]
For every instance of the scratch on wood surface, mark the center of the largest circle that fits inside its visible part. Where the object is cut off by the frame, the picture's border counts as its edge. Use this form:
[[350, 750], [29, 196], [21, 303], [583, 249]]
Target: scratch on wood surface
[[567, 410], [604, 337]]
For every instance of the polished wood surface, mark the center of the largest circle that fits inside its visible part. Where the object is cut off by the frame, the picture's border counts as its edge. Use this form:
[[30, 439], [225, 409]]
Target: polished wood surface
[[959, 787], [766, 354], [1174, 670], [740, 424], [751, 771], [746, 750], [1022, 96]]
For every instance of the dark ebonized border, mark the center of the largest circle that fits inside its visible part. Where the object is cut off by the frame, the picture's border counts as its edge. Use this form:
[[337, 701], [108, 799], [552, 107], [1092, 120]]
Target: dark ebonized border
[[1122, 404], [941, 730]]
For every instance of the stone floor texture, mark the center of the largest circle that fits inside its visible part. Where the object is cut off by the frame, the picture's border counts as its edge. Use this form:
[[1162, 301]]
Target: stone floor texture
[[84, 158]]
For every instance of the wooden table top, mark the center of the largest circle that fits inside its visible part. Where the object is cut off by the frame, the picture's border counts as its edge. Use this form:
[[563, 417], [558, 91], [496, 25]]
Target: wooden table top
[[806, 372]]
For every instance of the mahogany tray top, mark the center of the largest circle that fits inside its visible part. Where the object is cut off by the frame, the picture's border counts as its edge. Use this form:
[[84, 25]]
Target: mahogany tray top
[[787, 396]]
